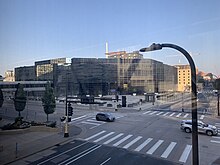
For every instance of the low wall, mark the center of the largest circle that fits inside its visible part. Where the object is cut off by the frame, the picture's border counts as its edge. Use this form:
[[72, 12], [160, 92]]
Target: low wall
[[30, 129]]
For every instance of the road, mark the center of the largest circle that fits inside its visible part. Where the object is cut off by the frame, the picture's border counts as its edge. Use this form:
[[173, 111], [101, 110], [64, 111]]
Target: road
[[134, 138]]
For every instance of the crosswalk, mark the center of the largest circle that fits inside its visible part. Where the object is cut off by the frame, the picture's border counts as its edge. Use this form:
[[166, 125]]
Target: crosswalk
[[171, 114], [216, 139], [90, 120], [150, 146]]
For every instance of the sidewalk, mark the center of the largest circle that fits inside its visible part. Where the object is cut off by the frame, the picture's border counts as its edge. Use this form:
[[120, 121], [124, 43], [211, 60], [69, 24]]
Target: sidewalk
[[15, 146]]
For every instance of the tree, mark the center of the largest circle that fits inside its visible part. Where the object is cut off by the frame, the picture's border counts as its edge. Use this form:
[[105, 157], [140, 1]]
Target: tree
[[48, 100], [20, 99], [1, 98]]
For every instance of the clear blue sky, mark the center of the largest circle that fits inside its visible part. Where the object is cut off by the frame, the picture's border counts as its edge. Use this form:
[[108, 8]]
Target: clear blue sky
[[34, 30]]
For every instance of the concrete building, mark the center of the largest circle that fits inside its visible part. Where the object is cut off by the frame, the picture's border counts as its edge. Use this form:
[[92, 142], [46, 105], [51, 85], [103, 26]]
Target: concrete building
[[184, 77], [26, 73], [9, 76]]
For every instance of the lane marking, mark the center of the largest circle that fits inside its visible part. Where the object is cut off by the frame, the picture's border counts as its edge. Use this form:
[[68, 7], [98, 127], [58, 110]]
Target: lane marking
[[103, 137], [105, 161], [122, 140], [213, 141], [93, 136], [185, 153], [172, 114], [114, 138], [215, 137], [78, 118], [155, 146], [62, 153], [132, 142], [168, 150], [140, 147], [83, 155], [102, 122], [85, 122], [159, 113]]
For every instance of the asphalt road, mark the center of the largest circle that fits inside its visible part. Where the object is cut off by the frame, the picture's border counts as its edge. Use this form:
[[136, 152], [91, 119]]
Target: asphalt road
[[148, 135]]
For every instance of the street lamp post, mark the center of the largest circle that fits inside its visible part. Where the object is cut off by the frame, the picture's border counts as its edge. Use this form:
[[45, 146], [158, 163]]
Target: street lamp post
[[195, 154], [66, 133]]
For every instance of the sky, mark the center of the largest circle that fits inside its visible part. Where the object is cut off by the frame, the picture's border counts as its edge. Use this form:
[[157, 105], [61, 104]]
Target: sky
[[34, 30]]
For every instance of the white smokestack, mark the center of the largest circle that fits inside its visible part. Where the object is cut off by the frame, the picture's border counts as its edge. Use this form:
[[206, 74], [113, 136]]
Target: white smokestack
[[106, 49]]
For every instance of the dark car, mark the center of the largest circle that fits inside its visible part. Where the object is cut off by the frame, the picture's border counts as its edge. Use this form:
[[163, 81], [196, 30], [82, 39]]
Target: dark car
[[105, 117]]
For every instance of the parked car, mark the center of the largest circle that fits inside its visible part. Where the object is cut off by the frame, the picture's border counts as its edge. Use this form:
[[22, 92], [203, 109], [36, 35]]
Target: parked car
[[105, 117], [208, 129]]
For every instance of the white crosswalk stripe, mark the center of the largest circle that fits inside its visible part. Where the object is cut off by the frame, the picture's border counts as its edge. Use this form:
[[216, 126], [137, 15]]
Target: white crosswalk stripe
[[165, 113], [185, 153], [185, 116], [168, 150], [146, 112], [202, 117], [122, 140], [114, 138], [152, 112], [132, 142], [91, 137], [179, 115], [172, 114], [159, 113], [155, 146], [107, 138], [140, 147], [103, 137]]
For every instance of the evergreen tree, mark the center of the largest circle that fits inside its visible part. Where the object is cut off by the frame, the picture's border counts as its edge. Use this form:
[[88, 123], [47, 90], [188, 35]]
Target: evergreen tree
[[20, 99], [48, 100], [1, 98]]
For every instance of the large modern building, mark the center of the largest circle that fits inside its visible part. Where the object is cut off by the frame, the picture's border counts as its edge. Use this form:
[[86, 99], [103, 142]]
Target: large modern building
[[44, 69], [120, 72]]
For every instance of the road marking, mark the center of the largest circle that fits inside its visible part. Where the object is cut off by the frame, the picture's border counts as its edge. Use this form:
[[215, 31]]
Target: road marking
[[185, 116], [159, 113], [172, 114], [85, 122], [202, 117], [217, 124], [61, 153], [114, 138], [82, 155], [165, 113], [105, 161], [216, 137], [179, 115], [103, 137], [140, 147], [185, 153], [168, 150], [152, 113], [213, 141], [155, 146], [93, 136], [132, 142], [96, 121], [122, 140], [146, 112], [78, 118]]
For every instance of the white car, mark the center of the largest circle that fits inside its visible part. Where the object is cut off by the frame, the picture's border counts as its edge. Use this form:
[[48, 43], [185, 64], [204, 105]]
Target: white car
[[208, 129]]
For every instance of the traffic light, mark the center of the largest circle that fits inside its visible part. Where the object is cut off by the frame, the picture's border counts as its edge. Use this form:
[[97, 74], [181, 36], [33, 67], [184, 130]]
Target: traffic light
[[123, 101], [70, 110], [117, 98]]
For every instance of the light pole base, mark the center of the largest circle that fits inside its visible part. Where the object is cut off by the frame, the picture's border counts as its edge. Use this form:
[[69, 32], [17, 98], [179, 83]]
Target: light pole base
[[66, 134]]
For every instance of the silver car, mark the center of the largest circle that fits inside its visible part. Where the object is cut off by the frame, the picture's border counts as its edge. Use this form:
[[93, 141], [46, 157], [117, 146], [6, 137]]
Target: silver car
[[208, 129], [105, 116]]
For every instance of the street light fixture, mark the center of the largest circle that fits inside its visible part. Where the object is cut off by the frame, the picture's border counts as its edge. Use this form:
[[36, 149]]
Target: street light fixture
[[195, 155]]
